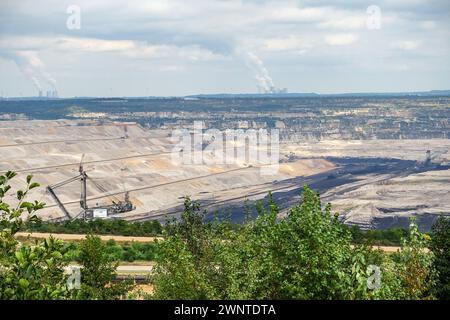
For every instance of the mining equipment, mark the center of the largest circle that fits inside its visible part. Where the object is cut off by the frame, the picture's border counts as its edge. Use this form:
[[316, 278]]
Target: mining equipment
[[428, 158], [90, 212], [436, 158]]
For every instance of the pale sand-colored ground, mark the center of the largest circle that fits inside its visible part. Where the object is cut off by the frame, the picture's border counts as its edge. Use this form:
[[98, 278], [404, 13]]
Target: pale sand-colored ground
[[406, 149], [80, 237], [143, 164]]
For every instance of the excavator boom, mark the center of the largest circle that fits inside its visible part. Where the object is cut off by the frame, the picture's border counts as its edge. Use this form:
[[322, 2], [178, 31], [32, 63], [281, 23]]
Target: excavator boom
[[58, 202]]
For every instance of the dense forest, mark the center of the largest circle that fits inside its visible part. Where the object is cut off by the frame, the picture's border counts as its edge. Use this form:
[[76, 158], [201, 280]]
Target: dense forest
[[309, 254]]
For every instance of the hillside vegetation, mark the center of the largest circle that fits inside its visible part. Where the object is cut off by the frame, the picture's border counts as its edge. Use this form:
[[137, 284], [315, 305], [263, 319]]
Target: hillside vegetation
[[307, 255]]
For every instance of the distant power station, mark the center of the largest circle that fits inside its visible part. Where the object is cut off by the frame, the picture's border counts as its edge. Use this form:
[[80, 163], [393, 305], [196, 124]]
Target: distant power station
[[49, 94], [272, 90]]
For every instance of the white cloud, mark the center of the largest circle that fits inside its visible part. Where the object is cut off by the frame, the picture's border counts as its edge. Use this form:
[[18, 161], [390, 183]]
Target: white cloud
[[134, 49], [137, 49], [291, 43], [406, 45], [428, 25], [176, 34], [341, 39], [293, 14], [346, 22]]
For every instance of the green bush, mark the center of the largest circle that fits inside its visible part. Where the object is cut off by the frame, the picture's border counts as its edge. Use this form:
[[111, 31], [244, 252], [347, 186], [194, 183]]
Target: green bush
[[388, 237], [306, 255], [98, 272], [440, 246], [118, 252], [27, 271]]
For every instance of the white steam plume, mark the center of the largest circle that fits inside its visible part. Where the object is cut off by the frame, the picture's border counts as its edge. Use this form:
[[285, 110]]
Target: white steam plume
[[33, 67], [263, 79]]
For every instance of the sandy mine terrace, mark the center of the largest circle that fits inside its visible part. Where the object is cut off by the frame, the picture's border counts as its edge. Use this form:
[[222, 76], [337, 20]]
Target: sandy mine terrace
[[121, 157], [125, 156]]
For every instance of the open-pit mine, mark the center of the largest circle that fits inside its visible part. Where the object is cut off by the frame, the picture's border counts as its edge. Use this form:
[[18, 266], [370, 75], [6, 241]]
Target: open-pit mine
[[377, 164]]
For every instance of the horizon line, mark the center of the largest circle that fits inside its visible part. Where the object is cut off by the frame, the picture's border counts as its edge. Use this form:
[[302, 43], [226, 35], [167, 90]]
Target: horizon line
[[268, 94]]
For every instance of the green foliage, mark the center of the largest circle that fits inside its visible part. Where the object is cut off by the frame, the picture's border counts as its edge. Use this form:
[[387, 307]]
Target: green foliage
[[318, 248], [98, 272], [27, 271], [98, 226], [407, 274], [137, 251], [388, 237], [184, 256], [35, 272], [305, 256], [414, 265], [119, 252], [440, 246]]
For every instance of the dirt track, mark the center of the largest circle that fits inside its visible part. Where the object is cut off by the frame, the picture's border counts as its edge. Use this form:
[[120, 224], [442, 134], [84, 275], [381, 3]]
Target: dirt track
[[80, 237]]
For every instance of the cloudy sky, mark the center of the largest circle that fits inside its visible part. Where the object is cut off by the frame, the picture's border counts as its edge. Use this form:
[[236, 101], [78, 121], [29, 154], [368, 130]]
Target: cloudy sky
[[179, 47]]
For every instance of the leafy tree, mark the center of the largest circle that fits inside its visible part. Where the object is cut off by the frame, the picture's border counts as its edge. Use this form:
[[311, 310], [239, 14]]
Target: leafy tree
[[313, 252], [36, 272], [305, 256], [414, 265], [182, 256], [98, 272], [440, 246], [27, 271]]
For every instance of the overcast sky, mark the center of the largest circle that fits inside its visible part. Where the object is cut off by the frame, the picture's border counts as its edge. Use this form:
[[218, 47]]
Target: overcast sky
[[180, 47]]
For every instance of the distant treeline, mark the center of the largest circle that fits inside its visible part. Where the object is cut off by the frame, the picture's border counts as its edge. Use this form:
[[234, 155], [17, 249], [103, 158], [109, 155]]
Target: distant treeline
[[387, 237], [98, 226]]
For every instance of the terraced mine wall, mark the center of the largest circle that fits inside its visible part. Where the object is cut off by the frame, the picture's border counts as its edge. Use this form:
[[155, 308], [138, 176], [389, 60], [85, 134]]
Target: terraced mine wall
[[366, 155]]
